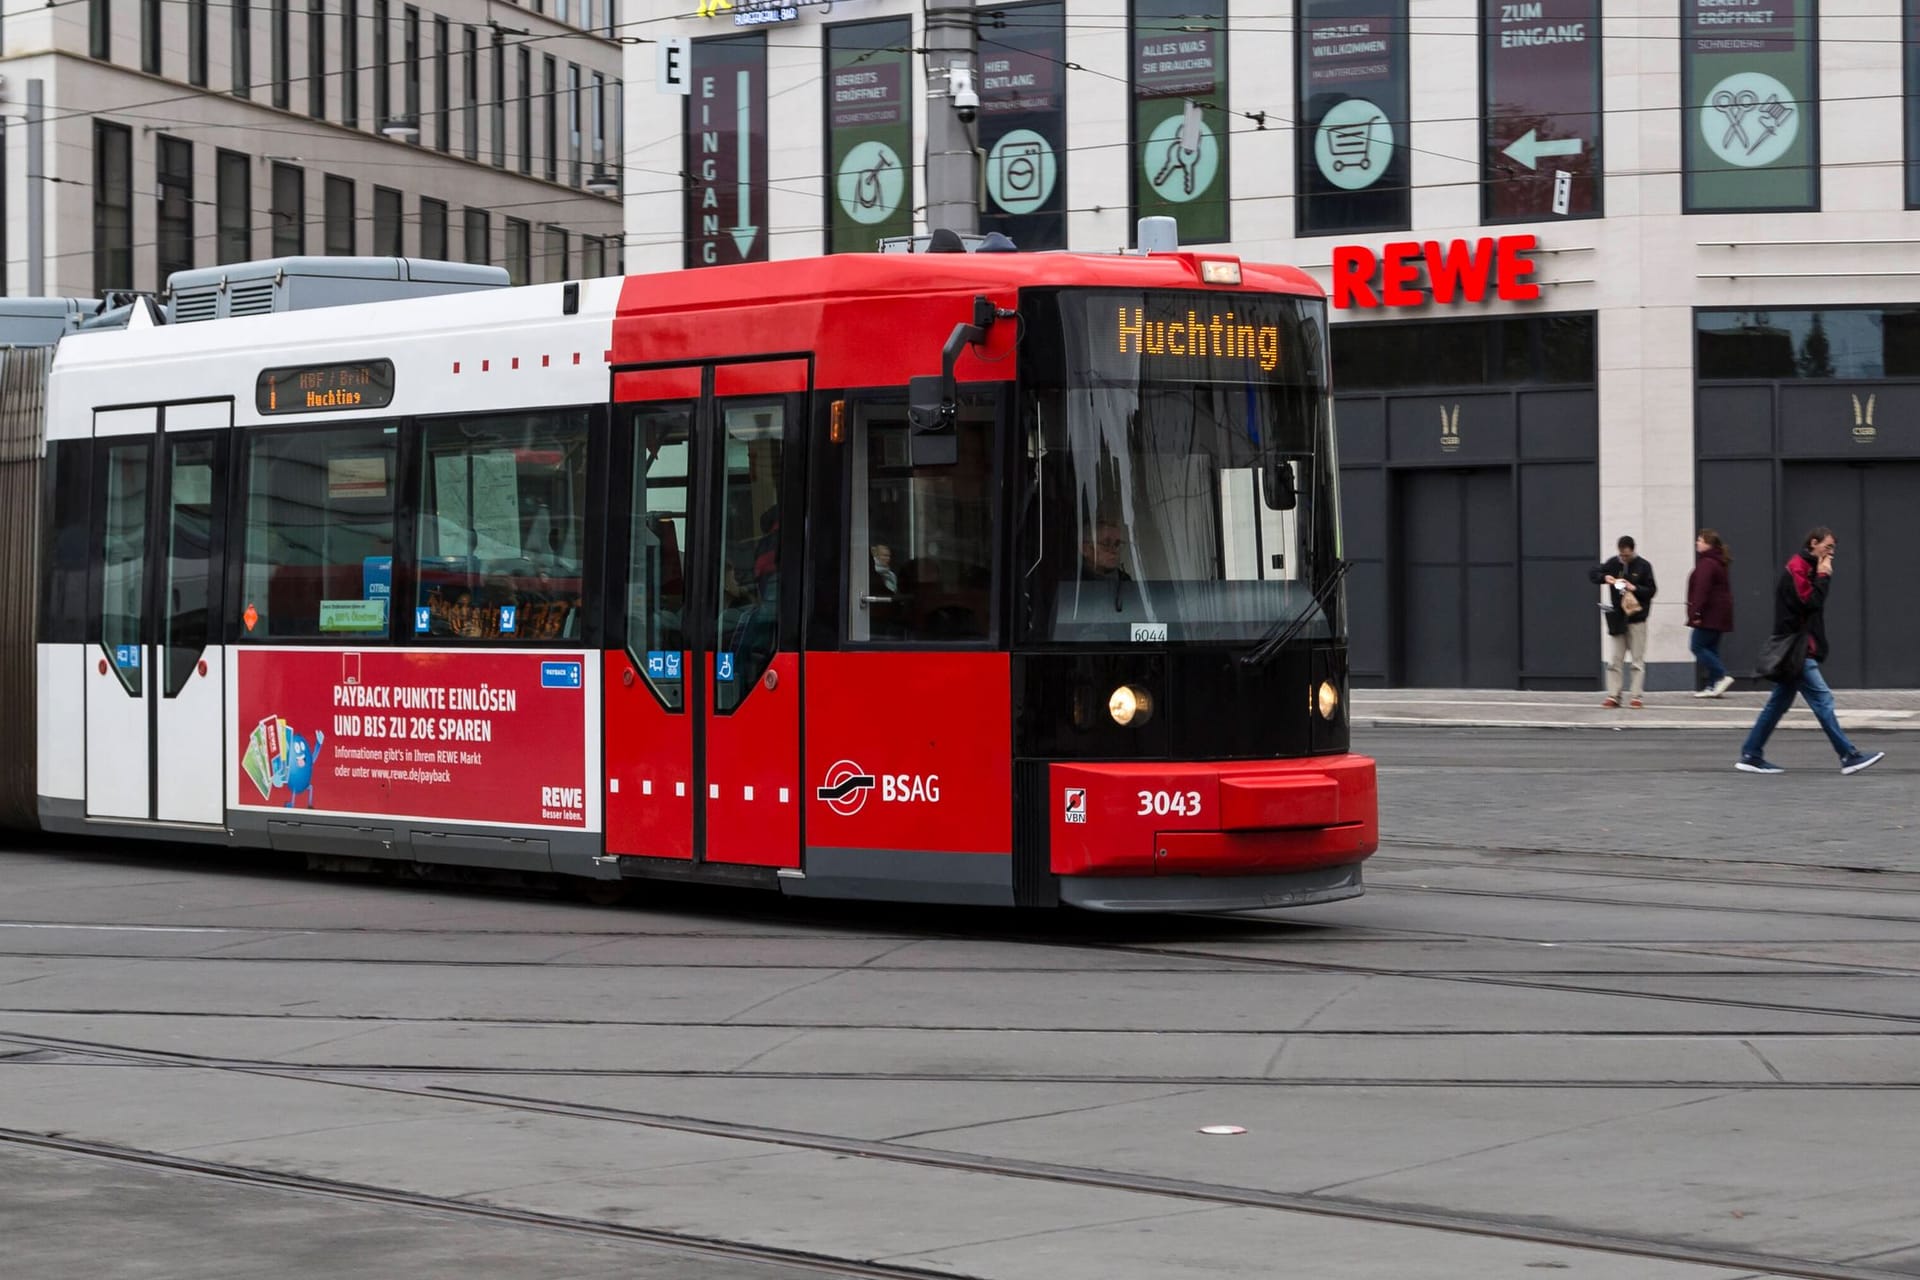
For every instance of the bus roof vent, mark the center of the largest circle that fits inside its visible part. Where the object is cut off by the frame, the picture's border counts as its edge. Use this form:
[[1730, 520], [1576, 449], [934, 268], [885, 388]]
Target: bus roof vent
[[304, 284]]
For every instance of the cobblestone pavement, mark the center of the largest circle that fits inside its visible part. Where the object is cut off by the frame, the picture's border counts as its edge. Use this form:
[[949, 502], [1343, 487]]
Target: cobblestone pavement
[[1672, 795]]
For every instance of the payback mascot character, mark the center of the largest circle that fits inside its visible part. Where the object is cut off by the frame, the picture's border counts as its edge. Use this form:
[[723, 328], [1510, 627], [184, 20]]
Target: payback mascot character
[[294, 770]]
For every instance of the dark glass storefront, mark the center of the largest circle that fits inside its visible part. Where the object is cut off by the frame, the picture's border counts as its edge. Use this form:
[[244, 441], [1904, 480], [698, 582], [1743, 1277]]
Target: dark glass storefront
[[1469, 459], [1802, 419]]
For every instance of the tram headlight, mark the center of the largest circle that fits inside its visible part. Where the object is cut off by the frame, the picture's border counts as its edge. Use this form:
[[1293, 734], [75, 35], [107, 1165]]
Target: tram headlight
[[1327, 699], [1130, 704]]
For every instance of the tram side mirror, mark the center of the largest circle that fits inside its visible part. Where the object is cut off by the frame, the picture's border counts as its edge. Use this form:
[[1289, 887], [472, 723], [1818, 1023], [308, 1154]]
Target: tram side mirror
[[931, 415], [1276, 485]]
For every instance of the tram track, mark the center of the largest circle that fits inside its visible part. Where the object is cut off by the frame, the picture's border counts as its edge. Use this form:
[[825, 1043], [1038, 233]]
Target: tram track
[[901, 1154]]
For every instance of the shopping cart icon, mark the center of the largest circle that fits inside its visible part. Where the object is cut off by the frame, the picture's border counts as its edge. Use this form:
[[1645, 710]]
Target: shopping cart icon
[[1351, 145]]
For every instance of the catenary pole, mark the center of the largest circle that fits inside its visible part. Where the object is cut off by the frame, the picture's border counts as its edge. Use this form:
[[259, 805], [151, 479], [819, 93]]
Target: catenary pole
[[952, 164]]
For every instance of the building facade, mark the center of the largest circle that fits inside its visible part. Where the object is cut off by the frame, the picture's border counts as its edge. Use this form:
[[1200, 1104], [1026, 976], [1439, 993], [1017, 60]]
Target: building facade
[[1631, 268], [143, 137]]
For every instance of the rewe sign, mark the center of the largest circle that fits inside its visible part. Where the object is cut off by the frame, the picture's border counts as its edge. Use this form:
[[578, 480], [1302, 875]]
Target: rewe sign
[[1410, 273]]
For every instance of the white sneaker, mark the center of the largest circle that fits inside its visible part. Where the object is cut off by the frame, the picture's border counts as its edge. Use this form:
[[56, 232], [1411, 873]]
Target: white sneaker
[[1720, 686], [1705, 693]]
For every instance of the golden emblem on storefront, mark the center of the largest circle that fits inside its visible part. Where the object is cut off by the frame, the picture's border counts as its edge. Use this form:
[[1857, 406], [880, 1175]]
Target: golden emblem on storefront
[[1864, 432], [1449, 429]]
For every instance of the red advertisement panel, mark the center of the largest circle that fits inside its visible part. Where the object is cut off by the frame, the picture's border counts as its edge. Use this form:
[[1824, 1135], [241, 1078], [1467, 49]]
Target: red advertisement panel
[[463, 737]]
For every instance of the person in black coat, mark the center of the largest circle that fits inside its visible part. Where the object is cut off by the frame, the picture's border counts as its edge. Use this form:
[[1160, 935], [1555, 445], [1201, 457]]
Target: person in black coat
[[1800, 606], [1629, 578]]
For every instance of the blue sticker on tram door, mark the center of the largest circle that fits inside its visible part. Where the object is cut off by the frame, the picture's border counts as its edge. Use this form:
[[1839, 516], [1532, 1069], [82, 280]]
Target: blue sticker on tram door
[[723, 666], [509, 619], [127, 657], [673, 664], [423, 620], [560, 675]]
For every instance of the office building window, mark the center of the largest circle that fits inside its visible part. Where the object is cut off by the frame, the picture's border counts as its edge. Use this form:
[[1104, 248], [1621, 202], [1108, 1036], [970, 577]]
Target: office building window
[[607, 8], [599, 122], [1353, 162], [388, 239], [289, 212], [442, 85], [519, 251], [112, 206], [554, 260], [150, 19], [1540, 110], [586, 14], [433, 229], [339, 211], [173, 183], [525, 102], [573, 124], [280, 36], [350, 63], [197, 43], [497, 108], [410, 55], [593, 257], [317, 59], [1180, 149], [233, 215], [3, 210], [240, 49], [1751, 121], [560, 10], [470, 92], [551, 73], [100, 28], [382, 64], [479, 237]]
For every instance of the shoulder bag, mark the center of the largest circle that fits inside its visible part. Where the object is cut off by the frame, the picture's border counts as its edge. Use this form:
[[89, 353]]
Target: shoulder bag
[[1782, 657]]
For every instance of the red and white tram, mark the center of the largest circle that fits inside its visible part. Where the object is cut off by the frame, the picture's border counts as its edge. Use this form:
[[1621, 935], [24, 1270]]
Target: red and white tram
[[951, 577]]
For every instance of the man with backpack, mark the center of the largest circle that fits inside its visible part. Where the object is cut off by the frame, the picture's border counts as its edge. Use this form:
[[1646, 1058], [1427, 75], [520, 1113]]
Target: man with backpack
[[1800, 639]]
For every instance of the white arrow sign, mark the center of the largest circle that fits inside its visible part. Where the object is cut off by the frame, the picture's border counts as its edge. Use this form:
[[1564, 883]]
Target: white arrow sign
[[744, 233], [1528, 149]]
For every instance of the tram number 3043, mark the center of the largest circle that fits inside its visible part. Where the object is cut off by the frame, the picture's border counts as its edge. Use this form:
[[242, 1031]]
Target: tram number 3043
[[1162, 803]]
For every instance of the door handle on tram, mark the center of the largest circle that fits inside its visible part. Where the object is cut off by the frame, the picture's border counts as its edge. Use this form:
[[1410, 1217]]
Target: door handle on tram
[[876, 600]]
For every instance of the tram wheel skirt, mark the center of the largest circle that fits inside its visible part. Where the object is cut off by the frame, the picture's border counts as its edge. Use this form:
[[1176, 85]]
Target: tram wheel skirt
[[1211, 893]]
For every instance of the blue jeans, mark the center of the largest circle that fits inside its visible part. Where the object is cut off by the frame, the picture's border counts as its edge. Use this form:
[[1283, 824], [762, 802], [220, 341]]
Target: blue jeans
[[1812, 686], [1706, 652]]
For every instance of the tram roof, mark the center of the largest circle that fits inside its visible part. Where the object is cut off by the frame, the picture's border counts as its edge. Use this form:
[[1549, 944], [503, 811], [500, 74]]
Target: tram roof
[[846, 276]]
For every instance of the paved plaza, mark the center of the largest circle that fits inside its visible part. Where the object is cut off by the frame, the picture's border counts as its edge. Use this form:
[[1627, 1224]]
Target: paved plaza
[[1608, 1009]]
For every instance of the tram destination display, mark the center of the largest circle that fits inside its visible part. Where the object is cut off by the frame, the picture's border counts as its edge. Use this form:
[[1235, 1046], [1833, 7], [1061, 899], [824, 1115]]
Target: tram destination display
[[323, 388], [1128, 337]]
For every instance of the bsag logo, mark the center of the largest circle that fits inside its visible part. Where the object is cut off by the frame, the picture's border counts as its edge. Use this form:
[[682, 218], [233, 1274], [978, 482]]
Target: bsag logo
[[1863, 429], [847, 786], [845, 790], [1449, 429], [1076, 805]]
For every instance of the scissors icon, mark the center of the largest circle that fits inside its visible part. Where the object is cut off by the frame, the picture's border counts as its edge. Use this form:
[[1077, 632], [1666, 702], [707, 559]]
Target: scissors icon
[[1736, 107]]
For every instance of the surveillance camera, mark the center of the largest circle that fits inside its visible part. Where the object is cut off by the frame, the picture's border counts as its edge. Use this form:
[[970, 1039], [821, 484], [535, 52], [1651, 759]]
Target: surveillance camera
[[966, 99]]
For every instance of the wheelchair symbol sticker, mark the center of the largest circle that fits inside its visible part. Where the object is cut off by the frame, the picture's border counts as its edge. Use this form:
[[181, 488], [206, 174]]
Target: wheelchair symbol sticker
[[1353, 144], [1181, 163], [1021, 171], [1750, 119], [872, 182], [723, 667]]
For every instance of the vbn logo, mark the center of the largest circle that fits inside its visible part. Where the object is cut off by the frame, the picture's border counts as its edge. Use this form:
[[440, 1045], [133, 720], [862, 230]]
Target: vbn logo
[[1864, 432], [1449, 429]]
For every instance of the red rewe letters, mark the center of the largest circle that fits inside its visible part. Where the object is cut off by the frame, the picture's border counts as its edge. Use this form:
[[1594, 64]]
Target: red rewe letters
[[1454, 270]]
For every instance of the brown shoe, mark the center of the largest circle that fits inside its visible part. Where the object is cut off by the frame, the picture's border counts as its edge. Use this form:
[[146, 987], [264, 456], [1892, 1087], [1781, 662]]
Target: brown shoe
[[1636, 704], [1611, 702]]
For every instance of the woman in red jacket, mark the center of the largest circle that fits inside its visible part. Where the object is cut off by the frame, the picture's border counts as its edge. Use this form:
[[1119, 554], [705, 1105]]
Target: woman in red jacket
[[1710, 609]]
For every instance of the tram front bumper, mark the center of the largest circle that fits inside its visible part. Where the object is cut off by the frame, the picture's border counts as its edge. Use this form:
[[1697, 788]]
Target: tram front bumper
[[1267, 819]]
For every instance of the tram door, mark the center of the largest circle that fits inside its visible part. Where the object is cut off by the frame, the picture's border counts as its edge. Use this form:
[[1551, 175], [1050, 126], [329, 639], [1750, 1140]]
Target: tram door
[[703, 700], [155, 684]]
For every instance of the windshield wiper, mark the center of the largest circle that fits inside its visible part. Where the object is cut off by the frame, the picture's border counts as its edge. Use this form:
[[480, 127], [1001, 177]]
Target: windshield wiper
[[1281, 633]]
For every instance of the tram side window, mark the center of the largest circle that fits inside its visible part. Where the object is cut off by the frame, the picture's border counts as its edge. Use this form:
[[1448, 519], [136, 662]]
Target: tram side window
[[920, 550], [319, 533], [502, 528]]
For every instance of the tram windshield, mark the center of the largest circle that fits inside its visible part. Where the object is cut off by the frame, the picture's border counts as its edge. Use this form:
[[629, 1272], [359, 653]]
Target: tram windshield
[[1179, 471]]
